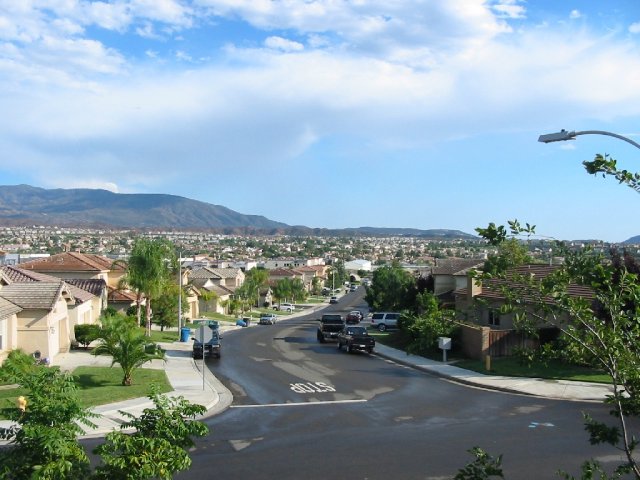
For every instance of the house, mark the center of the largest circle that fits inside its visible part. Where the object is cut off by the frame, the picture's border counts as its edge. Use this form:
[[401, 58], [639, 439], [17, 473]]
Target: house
[[77, 265], [31, 292], [230, 278], [215, 287], [8, 327], [450, 275], [479, 304], [122, 300], [42, 322]]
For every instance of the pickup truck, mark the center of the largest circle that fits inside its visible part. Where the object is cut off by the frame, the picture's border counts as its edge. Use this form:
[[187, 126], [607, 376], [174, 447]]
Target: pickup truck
[[330, 326], [355, 338]]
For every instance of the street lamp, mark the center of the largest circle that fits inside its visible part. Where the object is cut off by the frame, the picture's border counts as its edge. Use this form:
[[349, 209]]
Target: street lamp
[[565, 135]]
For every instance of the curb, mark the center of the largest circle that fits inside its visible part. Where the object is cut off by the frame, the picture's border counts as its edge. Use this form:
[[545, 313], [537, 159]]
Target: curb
[[470, 383]]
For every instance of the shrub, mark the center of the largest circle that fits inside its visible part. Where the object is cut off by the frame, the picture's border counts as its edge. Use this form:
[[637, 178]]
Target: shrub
[[86, 333]]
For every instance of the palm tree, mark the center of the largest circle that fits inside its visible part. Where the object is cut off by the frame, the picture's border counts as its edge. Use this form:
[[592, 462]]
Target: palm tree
[[149, 268], [121, 339]]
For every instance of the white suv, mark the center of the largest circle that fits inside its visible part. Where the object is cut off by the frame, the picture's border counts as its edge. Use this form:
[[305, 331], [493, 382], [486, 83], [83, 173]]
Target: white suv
[[384, 320], [285, 307]]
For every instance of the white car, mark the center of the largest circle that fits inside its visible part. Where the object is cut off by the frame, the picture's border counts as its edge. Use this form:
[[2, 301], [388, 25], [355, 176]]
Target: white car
[[384, 320], [268, 319], [284, 307]]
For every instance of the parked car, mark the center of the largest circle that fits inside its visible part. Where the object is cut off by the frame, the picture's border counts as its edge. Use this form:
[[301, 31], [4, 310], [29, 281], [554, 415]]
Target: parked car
[[353, 288], [384, 320], [284, 307], [212, 347], [333, 299], [268, 319], [355, 316]]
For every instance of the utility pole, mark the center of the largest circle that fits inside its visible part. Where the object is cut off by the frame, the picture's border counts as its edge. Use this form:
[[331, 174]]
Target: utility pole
[[180, 296]]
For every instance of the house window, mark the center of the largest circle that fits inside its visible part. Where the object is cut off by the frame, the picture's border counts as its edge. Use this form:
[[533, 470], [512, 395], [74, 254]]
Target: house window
[[494, 317]]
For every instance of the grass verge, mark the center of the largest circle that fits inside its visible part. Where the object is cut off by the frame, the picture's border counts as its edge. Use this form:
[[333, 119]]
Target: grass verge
[[553, 370], [101, 385]]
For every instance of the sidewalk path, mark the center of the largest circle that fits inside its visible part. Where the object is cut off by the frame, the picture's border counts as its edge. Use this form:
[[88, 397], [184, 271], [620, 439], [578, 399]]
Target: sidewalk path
[[185, 376], [555, 389]]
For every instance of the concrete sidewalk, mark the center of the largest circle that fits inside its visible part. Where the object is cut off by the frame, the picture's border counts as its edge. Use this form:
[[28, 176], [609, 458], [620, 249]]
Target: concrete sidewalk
[[185, 376], [555, 389]]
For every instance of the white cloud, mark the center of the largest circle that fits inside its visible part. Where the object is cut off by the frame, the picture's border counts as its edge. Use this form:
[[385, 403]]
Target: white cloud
[[279, 43], [388, 73], [575, 14], [634, 27], [510, 9]]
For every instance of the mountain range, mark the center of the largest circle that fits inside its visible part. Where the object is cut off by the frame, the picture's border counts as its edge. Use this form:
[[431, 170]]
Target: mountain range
[[27, 205]]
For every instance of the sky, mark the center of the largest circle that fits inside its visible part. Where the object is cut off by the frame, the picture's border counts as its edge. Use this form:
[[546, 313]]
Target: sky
[[331, 113]]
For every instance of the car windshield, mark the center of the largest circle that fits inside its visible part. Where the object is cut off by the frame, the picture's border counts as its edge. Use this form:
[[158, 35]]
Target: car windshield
[[357, 331]]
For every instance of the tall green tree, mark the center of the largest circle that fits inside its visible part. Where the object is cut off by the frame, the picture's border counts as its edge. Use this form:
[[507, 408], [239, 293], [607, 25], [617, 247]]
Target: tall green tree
[[165, 309], [121, 339], [282, 289], [392, 288], [149, 270]]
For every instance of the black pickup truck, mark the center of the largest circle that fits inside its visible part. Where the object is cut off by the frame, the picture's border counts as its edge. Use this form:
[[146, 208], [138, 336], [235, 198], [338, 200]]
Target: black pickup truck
[[330, 326], [356, 338]]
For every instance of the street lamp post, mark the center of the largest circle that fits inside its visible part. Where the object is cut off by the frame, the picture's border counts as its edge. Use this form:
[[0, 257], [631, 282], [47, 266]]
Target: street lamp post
[[180, 296], [563, 135]]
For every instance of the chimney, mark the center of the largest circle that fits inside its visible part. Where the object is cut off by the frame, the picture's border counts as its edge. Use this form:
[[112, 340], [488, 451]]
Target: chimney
[[474, 287]]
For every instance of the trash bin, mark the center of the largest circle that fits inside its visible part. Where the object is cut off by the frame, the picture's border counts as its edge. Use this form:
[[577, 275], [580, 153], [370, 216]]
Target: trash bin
[[185, 334], [246, 320]]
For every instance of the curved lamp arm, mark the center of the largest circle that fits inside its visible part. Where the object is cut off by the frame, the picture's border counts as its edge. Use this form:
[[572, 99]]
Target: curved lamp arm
[[565, 135]]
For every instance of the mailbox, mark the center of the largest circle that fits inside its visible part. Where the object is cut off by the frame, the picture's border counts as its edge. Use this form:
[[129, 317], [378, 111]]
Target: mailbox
[[444, 343]]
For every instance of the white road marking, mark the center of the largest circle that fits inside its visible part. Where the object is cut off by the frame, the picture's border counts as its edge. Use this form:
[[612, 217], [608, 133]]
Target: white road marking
[[297, 404]]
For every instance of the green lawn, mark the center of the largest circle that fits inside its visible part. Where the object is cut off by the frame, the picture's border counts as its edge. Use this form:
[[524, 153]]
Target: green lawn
[[504, 366], [509, 367], [100, 385]]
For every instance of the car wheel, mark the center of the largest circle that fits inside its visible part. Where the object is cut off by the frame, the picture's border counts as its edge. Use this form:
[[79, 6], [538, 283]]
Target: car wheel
[[369, 350], [339, 346], [349, 349], [382, 327], [320, 338]]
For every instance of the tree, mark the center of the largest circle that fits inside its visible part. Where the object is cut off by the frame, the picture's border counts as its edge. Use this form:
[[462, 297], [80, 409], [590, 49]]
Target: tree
[[121, 339], [165, 310], [425, 327], [159, 446], [337, 275], [392, 288], [511, 253], [298, 291], [208, 296], [601, 327], [44, 444], [282, 289], [149, 269], [86, 333]]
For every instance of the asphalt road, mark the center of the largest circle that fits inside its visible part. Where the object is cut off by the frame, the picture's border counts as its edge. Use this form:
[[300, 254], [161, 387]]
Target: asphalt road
[[304, 410]]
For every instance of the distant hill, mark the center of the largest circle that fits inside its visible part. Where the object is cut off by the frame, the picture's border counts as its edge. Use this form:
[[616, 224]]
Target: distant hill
[[27, 205], [633, 240], [22, 204]]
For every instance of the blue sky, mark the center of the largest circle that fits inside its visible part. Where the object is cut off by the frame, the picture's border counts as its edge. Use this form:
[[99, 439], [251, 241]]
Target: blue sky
[[330, 113]]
